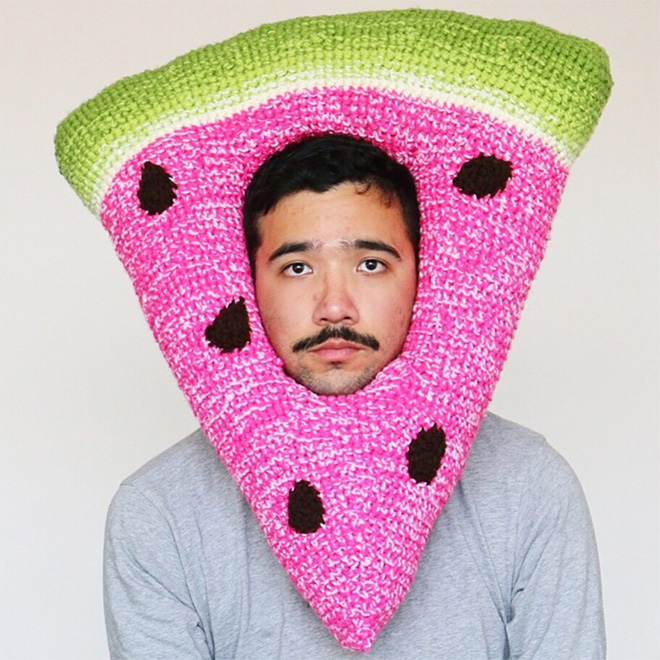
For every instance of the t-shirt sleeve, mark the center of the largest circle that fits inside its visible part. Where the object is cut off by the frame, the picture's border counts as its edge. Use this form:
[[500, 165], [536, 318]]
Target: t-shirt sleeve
[[556, 605], [148, 608]]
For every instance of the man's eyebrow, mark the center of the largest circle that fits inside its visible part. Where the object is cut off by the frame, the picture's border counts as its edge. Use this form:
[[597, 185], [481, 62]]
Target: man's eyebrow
[[367, 244], [288, 248]]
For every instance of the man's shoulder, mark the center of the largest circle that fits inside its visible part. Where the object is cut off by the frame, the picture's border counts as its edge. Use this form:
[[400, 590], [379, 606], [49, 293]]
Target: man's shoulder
[[505, 435], [500, 440], [188, 455], [507, 458], [187, 472]]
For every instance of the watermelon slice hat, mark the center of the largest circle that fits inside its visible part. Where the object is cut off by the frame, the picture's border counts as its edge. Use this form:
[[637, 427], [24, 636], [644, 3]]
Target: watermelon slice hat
[[488, 116]]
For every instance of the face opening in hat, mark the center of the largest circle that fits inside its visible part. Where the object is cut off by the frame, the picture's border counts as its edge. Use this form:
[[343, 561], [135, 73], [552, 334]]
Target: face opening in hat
[[332, 232]]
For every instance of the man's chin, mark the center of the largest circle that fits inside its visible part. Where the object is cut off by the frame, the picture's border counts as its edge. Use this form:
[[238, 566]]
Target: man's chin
[[334, 382]]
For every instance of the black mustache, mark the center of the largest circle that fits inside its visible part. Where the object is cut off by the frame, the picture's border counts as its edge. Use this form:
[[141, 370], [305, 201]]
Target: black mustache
[[339, 332]]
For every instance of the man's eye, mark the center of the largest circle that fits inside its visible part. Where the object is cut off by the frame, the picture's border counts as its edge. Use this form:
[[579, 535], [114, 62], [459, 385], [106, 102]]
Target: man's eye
[[296, 269], [371, 266]]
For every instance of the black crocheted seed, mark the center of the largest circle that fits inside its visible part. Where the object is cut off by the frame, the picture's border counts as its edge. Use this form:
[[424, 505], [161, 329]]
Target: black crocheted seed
[[156, 191], [425, 453], [305, 508], [230, 330], [483, 175]]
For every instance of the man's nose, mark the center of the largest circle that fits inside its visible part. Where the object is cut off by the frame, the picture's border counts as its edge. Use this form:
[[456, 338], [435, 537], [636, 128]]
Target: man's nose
[[334, 303]]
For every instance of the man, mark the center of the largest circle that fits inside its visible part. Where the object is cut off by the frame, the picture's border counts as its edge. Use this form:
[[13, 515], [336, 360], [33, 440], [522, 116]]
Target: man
[[397, 184], [511, 568]]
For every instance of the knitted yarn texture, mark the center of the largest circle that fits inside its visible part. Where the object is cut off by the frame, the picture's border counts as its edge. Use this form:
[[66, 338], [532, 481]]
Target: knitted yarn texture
[[488, 115]]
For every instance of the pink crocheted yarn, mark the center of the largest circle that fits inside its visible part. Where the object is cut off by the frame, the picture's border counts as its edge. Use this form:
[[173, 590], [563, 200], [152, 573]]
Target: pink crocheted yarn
[[477, 258]]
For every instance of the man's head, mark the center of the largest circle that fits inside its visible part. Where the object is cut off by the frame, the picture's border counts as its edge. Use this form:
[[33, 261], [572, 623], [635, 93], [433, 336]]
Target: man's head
[[332, 230]]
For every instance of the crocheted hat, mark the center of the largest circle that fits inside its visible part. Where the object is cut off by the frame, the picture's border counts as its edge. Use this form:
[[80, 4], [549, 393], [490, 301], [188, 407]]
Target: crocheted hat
[[488, 115]]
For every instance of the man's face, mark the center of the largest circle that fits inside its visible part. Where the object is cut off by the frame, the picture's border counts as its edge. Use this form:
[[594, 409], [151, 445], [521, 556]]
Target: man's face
[[335, 279]]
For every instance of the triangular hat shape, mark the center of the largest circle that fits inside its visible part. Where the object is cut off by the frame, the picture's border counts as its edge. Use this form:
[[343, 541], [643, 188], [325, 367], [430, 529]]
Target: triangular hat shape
[[488, 115]]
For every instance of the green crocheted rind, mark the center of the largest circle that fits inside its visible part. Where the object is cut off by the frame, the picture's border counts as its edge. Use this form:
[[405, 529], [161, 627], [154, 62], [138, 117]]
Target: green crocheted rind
[[552, 84]]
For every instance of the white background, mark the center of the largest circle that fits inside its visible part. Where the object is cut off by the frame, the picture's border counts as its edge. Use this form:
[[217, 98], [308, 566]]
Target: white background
[[87, 398]]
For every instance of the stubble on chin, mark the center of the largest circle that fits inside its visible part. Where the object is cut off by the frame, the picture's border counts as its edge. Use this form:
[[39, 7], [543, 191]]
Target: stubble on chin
[[334, 382]]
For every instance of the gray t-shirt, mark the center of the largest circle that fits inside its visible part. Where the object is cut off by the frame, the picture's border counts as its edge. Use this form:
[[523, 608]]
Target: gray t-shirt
[[510, 569]]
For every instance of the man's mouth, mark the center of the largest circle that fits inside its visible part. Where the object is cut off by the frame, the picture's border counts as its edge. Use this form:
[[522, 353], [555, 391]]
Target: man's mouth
[[336, 350]]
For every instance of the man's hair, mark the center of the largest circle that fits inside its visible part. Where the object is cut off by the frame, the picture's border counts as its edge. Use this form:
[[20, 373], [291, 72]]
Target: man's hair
[[319, 163]]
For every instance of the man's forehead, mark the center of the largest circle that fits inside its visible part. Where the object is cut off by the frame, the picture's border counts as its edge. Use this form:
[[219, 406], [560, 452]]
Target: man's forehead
[[386, 197], [344, 201]]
